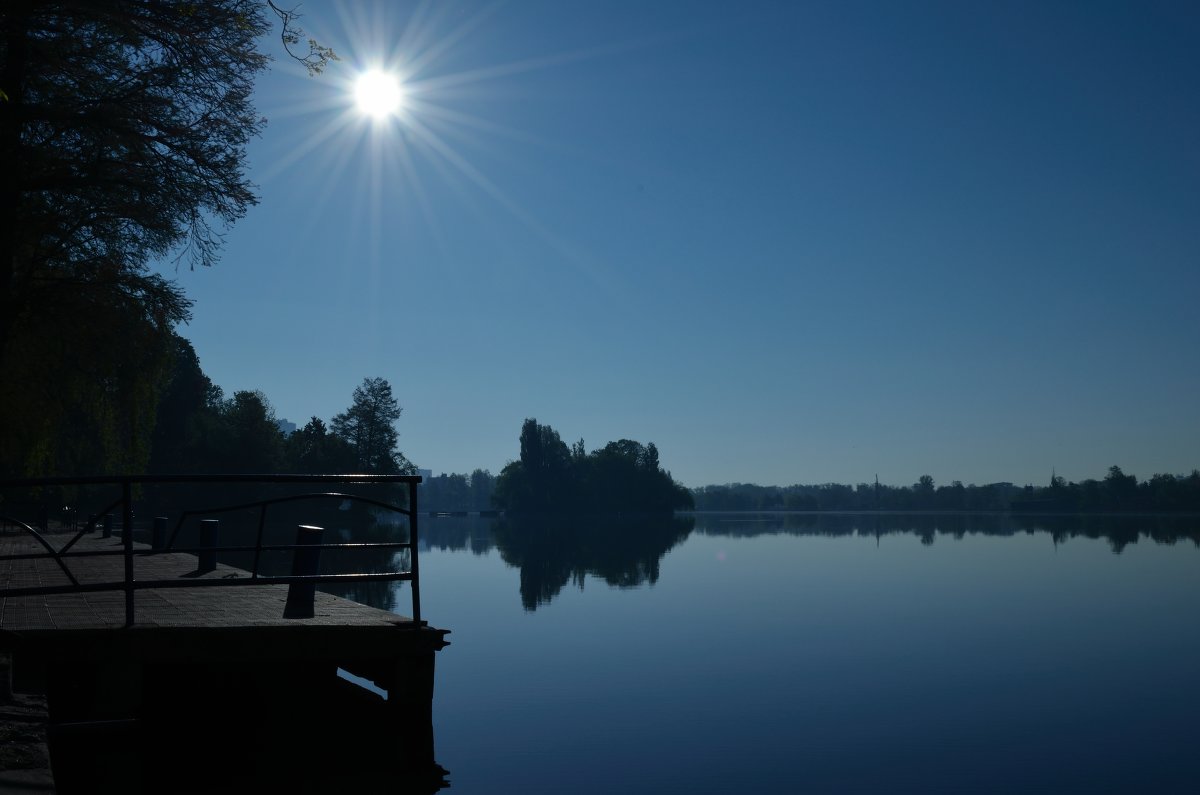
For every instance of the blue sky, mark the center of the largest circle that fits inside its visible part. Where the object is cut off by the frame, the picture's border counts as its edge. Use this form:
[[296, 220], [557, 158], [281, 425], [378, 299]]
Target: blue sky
[[786, 242]]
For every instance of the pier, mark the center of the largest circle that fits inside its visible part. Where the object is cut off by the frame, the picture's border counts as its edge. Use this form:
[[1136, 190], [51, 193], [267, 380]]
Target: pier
[[167, 670]]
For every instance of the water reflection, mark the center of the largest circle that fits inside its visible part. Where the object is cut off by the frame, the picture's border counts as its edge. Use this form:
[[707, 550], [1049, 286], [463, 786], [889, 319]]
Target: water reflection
[[1119, 531], [550, 552], [626, 552], [776, 649]]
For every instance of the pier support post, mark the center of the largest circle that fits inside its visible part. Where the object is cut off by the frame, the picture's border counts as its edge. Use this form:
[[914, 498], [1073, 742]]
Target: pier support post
[[306, 562], [107, 527], [158, 537], [410, 702], [207, 560]]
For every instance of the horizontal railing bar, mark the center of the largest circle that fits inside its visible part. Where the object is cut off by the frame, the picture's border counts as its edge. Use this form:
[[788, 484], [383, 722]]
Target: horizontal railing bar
[[281, 547], [288, 579], [247, 478], [145, 553], [142, 585], [130, 585], [327, 495]]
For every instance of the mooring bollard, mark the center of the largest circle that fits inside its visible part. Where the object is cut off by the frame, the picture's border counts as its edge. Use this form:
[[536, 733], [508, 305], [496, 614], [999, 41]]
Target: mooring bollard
[[207, 559], [305, 563], [107, 527], [158, 537]]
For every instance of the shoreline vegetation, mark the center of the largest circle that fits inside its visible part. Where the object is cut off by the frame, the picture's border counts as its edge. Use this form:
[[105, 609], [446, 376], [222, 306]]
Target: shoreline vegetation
[[1116, 493], [622, 477], [195, 428], [626, 551]]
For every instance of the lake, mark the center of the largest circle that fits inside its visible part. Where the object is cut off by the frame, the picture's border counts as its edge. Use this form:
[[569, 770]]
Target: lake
[[816, 653]]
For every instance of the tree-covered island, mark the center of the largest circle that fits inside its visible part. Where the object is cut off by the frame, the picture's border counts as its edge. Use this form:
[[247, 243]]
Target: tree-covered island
[[622, 477]]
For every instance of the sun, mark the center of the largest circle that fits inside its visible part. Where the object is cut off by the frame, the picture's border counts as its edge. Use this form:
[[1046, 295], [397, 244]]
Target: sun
[[378, 94], [395, 109]]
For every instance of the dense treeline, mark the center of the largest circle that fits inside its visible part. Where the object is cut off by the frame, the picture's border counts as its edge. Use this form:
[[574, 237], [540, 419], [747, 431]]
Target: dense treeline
[[123, 133], [199, 430], [1116, 492], [621, 477], [159, 413], [457, 492], [1119, 530]]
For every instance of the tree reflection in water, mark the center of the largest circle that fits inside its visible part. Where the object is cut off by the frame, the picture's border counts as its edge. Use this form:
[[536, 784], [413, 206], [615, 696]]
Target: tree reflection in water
[[552, 551], [1117, 529], [624, 552]]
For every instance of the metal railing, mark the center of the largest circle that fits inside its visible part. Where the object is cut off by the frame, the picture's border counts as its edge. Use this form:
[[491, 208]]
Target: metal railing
[[125, 503]]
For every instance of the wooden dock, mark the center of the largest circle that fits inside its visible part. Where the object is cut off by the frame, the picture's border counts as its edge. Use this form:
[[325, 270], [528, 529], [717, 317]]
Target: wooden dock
[[128, 702], [201, 607]]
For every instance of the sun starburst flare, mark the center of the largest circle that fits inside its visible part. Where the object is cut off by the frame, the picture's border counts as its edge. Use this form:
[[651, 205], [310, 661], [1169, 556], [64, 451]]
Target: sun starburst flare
[[388, 111], [378, 94]]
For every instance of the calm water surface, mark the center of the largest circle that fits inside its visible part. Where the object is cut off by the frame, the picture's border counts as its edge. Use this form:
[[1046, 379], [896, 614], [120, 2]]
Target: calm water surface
[[801, 653]]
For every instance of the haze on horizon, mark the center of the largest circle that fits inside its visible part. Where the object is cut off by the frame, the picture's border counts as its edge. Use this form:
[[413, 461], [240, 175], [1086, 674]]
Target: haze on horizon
[[791, 243]]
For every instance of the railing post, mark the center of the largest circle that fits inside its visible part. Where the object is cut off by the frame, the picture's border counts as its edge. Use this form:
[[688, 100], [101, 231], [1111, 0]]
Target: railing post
[[412, 540], [305, 563], [158, 537], [262, 525], [127, 538], [207, 559], [107, 527]]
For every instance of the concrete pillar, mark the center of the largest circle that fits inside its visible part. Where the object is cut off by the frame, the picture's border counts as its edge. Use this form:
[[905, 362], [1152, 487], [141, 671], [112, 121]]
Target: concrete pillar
[[207, 560], [158, 537], [305, 562]]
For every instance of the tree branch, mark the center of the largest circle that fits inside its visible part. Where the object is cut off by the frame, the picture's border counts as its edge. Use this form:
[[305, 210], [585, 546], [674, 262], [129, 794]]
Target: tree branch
[[318, 56]]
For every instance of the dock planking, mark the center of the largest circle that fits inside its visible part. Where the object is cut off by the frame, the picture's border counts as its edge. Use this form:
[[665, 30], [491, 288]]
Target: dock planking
[[206, 651], [201, 607], [192, 624]]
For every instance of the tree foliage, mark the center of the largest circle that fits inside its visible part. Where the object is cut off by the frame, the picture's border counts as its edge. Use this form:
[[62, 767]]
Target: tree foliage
[[122, 138], [622, 477], [314, 450], [458, 492], [369, 428], [1116, 492], [188, 415], [290, 35], [199, 430]]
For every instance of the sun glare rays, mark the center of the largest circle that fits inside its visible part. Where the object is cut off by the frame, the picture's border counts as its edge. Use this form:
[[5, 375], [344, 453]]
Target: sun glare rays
[[378, 94], [392, 116]]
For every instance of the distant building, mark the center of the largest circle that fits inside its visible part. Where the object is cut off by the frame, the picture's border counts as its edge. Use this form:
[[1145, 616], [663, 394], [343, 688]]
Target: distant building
[[285, 427], [425, 474]]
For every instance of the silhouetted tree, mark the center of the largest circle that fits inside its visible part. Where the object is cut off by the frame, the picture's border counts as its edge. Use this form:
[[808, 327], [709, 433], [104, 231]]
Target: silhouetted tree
[[123, 128], [368, 426], [546, 474], [1120, 490], [122, 133], [482, 485], [314, 450], [188, 412], [255, 441], [623, 476], [923, 493]]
